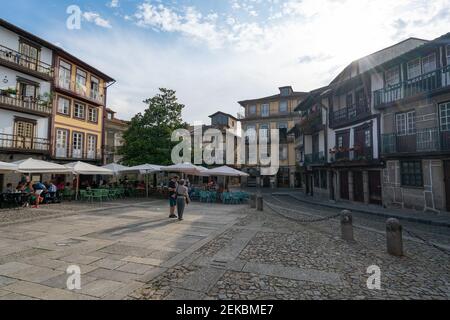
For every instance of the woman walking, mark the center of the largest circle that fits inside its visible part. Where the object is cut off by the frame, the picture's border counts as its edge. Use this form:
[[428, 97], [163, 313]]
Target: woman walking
[[182, 198]]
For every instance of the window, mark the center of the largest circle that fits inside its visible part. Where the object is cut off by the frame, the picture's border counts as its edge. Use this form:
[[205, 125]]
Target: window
[[411, 173], [340, 143], [95, 88], [264, 130], [265, 110], [448, 55], [61, 143], [110, 116], [252, 110], [285, 91], [63, 106], [444, 110], [406, 123], [81, 79], [79, 110], [91, 146], [65, 71], [93, 114], [283, 152], [27, 90], [367, 138], [392, 76], [77, 145], [414, 69], [31, 55], [24, 129], [429, 63], [251, 131], [283, 107], [323, 179]]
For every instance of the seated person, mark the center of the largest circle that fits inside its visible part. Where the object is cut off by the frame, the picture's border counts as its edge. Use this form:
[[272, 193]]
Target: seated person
[[9, 188]]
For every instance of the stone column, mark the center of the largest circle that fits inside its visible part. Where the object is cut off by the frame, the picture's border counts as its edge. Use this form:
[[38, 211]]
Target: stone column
[[338, 185], [394, 237], [366, 187], [350, 186]]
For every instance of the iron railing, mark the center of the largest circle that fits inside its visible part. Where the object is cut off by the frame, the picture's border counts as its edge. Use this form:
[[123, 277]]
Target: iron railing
[[422, 140], [424, 83], [17, 142], [79, 89], [25, 103], [61, 153], [22, 60], [314, 158], [351, 113]]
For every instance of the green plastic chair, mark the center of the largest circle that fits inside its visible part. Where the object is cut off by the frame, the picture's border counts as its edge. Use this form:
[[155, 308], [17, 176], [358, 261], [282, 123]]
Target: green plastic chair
[[85, 195], [97, 195]]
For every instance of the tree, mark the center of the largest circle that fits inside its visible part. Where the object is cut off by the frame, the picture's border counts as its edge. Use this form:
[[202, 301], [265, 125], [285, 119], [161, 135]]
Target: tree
[[148, 138]]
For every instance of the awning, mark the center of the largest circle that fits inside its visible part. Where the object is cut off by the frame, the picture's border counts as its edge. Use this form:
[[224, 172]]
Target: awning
[[7, 167], [144, 169], [38, 166], [115, 168], [226, 171], [186, 168], [83, 168]]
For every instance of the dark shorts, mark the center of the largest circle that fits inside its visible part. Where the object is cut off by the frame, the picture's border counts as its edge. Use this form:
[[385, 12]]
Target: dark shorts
[[173, 202]]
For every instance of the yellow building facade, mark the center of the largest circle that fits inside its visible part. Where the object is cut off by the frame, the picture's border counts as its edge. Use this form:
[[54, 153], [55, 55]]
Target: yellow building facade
[[274, 112], [79, 98]]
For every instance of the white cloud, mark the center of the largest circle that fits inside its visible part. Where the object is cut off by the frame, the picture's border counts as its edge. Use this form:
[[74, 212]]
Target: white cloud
[[113, 4], [96, 19], [224, 58]]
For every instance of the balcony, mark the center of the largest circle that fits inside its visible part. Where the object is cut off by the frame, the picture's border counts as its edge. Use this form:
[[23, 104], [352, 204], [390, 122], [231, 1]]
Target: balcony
[[78, 155], [275, 115], [422, 141], [315, 158], [17, 143], [311, 123], [351, 154], [80, 90], [24, 63], [25, 104], [350, 114], [428, 83]]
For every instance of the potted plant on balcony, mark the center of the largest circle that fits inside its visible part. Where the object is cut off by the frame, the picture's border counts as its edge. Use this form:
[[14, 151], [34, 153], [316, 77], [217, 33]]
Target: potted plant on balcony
[[9, 92], [45, 100]]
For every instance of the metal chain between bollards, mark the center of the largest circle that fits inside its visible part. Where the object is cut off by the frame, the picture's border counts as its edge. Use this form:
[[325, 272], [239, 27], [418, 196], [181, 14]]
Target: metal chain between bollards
[[425, 241], [274, 208]]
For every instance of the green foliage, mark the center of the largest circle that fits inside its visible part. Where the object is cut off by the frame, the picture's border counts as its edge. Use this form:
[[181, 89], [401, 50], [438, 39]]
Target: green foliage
[[148, 138]]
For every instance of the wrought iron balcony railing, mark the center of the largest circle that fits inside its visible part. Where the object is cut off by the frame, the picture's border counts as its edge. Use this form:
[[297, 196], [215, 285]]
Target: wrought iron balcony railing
[[315, 158], [422, 140], [351, 113], [21, 143], [24, 61], [25, 103], [424, 83], [71, 154], [79, 89]]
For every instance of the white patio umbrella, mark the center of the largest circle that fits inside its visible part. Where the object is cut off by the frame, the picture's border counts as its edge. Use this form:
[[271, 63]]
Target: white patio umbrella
[[145, 169], [7, 167], [226, 171], [82, 168], [115, 168], [38, 166], [186, 168]]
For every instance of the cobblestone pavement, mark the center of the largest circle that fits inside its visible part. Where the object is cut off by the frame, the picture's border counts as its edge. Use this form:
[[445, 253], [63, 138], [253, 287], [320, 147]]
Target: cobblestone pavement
[[132, 251], [266, 256]]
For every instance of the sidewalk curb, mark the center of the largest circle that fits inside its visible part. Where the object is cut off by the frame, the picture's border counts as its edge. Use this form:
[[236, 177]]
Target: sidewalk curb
[[367, 211]]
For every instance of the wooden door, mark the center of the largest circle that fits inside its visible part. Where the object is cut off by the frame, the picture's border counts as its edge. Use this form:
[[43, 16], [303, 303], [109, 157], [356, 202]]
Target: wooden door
[[343, 178], [358, 186], [447, 183], [375, 194]]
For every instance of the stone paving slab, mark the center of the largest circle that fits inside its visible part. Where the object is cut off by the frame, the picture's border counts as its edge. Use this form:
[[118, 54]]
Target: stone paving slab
[[112, 275], [101, 287], [184, 294], [202, 280], [293, 273]]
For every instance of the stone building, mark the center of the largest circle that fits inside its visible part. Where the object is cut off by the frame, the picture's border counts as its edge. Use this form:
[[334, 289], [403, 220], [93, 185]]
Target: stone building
[[114, 129]]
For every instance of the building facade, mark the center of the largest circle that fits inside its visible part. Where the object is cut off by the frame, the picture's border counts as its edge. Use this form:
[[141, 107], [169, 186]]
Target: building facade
[[26, 75], [272, 113], [378, 134], [114, 130], [80, 93], [412, 93]]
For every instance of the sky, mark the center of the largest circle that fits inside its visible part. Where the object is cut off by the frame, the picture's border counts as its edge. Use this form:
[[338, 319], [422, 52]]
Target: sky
[[217, 52]]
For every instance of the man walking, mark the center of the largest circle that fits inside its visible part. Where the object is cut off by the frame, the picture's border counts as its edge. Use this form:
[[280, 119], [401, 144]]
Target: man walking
[[173, 184]]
